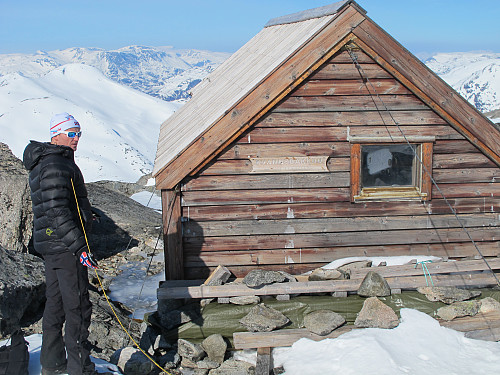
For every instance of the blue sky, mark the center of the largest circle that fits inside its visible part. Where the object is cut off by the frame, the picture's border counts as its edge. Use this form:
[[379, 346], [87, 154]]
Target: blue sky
[[422, 26]]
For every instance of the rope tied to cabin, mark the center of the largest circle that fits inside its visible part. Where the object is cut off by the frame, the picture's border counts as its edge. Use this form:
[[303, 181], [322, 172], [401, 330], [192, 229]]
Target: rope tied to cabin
[[423, 263], [373, 91], [104, 292]]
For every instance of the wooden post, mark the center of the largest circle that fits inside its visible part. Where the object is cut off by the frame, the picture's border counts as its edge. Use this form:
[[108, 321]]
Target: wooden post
[[172, 234]]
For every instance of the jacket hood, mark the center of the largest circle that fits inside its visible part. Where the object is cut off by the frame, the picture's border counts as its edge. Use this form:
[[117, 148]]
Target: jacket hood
[[36, 150]]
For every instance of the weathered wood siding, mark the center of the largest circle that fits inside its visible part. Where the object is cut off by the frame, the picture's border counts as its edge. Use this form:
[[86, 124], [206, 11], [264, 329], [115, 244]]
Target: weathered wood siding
[[299, 221]]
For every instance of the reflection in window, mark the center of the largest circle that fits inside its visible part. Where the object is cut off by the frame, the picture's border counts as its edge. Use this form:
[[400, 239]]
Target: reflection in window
[[388, 165]]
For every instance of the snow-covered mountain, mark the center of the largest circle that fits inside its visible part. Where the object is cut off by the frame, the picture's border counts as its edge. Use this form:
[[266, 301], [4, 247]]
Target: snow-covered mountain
[[475, 75], [115, 95], [162, 72]]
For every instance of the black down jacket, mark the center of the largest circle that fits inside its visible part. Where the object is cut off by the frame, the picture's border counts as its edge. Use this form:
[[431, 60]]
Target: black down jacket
[[57, 225]]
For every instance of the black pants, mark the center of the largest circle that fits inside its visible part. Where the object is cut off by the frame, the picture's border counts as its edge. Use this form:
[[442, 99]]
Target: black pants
[[67, 300]]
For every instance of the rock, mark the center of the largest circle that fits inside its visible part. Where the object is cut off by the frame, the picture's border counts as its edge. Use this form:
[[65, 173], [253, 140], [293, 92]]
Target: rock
[[234, 367], [132, 361], [322, 322], [376, 314], [169, 360], [182, 315], [22, 290], [215, 347], [447, 294], [153, 342], [289, 278], [193, 352], [320, 274], [16, 215], [258, 278], [489, 304], [218, 277], [374, 285], [207, 364], [244, 300], [262, 318], [458, 309], [355, 266]]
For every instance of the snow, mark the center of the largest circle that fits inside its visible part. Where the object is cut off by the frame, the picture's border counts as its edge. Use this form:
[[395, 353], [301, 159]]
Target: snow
[[419, 345], [34, 368]]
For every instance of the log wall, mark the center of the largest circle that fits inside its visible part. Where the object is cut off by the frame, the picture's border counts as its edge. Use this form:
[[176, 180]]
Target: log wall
[[299, 221]]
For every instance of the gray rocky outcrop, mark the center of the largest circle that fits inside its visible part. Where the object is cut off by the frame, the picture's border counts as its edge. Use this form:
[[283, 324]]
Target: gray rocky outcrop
[[262, 318], [215, 346], [244, 300], [320, 274], [234, 367], [258, 278], [16, 216], [459, 309], [193, 352], [131, 361], [447, 294], [22, 290], [376, 314], [489, 304], [323, 322], [374, 285]]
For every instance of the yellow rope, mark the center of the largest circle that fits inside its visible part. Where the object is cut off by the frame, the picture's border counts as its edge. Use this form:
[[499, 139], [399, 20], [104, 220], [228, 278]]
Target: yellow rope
[[105, 295]]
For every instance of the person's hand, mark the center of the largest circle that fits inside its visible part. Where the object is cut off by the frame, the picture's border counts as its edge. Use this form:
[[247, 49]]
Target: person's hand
[[87, 259]]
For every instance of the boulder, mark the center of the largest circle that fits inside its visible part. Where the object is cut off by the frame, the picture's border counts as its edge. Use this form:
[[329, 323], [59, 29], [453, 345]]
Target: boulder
[[489, 304], [234, 367], [320, 274], [376, 314], [447, 294], [22, 290], [132, 361], [374, 285], [215, 346], [258, 278], [16, 216], [193, 352], [459, 309], [244, 300], [262, 318], [323, 322], [354, 266]]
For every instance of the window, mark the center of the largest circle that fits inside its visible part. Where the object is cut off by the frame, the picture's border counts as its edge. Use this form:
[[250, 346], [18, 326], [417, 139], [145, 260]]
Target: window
[[390, 169]]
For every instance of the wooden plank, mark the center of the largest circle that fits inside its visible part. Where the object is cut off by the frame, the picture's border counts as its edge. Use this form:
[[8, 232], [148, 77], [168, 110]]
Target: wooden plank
[[228, 197], [344, 57], [263, 365], [252, 150], [350, 103], [466, 175], [480, 321], [340, 209], [172, 234], [467, 190], [416, 76], [332, 87], [444, 146], [491, 334], [269, 181], [407, 283], [462, 160], [282, 337], [342, 224], [350, 118], [327, 134], [318, 257], [349, 71], [361, 238]]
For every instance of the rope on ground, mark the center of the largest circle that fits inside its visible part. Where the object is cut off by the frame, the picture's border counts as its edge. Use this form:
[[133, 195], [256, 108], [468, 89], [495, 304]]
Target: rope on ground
[[373, 90], [104, 292], [426, 270]]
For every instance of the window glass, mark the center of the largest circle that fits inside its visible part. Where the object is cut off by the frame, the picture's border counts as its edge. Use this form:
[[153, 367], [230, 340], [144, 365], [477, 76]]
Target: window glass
[[388, 165]]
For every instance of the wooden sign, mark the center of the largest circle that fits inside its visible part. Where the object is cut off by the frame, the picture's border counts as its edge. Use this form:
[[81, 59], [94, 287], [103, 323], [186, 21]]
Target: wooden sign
[[289, 164]]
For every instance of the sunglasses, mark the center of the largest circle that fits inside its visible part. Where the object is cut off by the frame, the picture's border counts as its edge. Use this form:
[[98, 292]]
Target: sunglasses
[[72, 134]]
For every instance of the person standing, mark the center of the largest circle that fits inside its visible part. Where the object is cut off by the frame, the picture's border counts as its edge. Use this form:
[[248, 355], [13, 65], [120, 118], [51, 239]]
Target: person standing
[[55, 180]]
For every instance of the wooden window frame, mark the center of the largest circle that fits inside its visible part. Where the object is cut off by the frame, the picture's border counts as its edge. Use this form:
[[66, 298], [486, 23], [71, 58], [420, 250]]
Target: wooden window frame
[[422, 190]]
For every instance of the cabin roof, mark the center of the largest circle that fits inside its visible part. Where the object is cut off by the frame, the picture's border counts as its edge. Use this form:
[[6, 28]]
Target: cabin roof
[[215, 112]]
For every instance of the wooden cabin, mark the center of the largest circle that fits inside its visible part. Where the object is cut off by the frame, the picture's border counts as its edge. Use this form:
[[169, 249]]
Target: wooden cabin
[[324, 138]]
